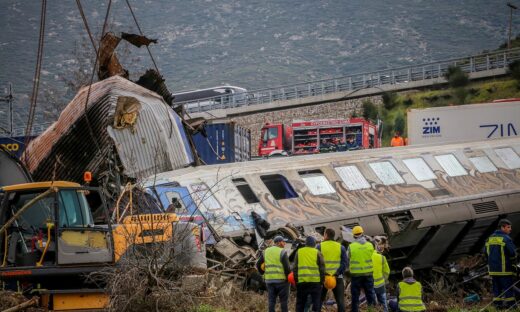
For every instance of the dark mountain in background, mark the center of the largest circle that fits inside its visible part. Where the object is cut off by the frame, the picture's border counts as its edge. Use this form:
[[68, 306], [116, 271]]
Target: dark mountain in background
[[252, 44]]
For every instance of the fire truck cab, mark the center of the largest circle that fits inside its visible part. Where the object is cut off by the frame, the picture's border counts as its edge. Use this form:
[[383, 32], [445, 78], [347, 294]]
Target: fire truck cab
[[318, 136]]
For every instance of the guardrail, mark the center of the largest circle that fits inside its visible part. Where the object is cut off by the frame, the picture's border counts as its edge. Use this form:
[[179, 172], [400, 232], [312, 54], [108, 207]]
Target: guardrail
[[401, 75]]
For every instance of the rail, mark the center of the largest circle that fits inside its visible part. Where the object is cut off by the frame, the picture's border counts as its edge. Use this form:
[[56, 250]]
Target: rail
[[402, 75]]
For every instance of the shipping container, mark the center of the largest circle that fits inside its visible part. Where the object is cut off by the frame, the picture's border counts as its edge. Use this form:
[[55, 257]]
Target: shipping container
[[15, 145], [225, 143], [500, 119]]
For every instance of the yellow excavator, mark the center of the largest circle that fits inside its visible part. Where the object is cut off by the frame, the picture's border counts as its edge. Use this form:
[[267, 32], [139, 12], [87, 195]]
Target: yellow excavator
[[54, 234]]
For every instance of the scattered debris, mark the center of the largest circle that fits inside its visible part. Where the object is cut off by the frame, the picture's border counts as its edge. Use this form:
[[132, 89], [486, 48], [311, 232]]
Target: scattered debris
[[11, 302], [137, 40]]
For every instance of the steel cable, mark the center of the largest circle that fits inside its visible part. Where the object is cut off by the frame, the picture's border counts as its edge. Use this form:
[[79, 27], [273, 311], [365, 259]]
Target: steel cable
[[503, 293], [141, 33], [91, 132], [80, 8], [36, 79]]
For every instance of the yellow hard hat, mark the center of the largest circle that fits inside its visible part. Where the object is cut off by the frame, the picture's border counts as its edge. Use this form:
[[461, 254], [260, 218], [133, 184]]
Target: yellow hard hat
[[357, 230], [330, 282]]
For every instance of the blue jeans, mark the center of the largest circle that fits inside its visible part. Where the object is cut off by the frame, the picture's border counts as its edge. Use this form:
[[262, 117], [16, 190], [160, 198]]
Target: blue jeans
[[275, 290], [503, 293], [381, 297], [362, 282]]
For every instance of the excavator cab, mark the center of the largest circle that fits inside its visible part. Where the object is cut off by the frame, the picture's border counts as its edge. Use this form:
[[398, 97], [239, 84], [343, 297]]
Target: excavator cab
[[49, 231]]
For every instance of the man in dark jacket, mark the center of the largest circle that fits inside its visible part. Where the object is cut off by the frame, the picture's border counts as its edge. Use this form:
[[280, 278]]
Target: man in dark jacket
[[309, 273], [501, 253], [276, 269]]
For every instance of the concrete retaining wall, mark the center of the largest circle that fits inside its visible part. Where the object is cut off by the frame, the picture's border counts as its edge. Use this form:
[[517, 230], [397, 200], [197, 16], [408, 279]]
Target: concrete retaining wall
[[339, 109]]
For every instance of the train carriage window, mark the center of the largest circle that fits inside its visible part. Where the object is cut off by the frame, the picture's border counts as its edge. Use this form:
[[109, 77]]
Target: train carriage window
[[352, 178], [176, 203], [279, 187], [420, 170], [386, 172], [316, 182], [483, 164], [245, 190], [509, 157], [451, 165], [205, 196]]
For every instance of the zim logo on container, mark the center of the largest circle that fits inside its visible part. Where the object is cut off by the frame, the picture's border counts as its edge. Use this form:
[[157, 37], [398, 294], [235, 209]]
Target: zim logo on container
[[431, 126]]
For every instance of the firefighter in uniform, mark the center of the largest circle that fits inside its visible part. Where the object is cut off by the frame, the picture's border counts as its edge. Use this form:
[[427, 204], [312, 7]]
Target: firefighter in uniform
[[501, 254], [309, 273], [359, 255], [276, 268], [335, 257], [409, 294]]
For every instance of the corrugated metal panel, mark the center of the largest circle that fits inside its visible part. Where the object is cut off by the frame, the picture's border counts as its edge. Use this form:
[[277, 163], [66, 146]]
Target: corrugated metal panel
[[156, 145], [226, 143], [69, 147]]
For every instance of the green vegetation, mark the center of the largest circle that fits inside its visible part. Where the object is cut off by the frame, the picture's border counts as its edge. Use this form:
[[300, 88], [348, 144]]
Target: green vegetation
[[456, 77], [369, 110], [515, 43], [474, 92], [514, 71], [389, 100]]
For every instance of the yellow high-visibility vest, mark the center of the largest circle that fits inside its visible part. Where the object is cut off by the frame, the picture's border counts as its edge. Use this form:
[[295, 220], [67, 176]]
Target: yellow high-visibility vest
[[273, 264], [331, 251], [410, 297], [381, 269], [361, 258], [308, 269]]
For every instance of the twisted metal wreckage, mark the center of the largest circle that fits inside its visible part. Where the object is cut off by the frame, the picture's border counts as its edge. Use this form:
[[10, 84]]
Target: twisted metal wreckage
[[431, 204]]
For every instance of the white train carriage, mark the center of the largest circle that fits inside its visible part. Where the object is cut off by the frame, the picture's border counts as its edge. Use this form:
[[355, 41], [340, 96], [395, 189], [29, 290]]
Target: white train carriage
[[434, 202]]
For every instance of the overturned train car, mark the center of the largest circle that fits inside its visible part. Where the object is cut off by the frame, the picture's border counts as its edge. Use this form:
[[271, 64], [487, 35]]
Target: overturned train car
[[435, 203], [115, 129]]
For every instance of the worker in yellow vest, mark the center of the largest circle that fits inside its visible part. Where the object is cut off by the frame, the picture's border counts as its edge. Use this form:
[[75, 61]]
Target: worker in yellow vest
[[309, 273], [409, 293], [359, 258], [335, 257], [380, 274], [276, 268]]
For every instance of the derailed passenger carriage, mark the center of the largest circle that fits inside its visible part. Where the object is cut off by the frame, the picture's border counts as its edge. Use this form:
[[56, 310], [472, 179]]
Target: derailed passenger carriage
[[435, 203]]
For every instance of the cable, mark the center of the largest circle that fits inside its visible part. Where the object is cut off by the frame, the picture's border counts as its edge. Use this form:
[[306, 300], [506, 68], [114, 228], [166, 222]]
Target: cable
[[36, 79], [91, 132], [141, 33], [80, 8], [485, 307]]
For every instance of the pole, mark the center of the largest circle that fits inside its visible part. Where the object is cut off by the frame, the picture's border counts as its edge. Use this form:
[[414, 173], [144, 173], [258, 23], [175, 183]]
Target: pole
[[510, 22], [511, 7], [10, 99]]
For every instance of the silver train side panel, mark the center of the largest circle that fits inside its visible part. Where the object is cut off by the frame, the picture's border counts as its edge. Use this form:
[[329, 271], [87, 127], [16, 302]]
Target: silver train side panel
[[434, 202]]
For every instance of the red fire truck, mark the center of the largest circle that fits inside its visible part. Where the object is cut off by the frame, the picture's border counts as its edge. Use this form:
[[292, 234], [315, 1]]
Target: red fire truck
[[318, 136]]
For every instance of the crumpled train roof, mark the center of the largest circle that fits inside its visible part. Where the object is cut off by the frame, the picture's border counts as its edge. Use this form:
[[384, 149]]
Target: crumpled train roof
[[70, 146]]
